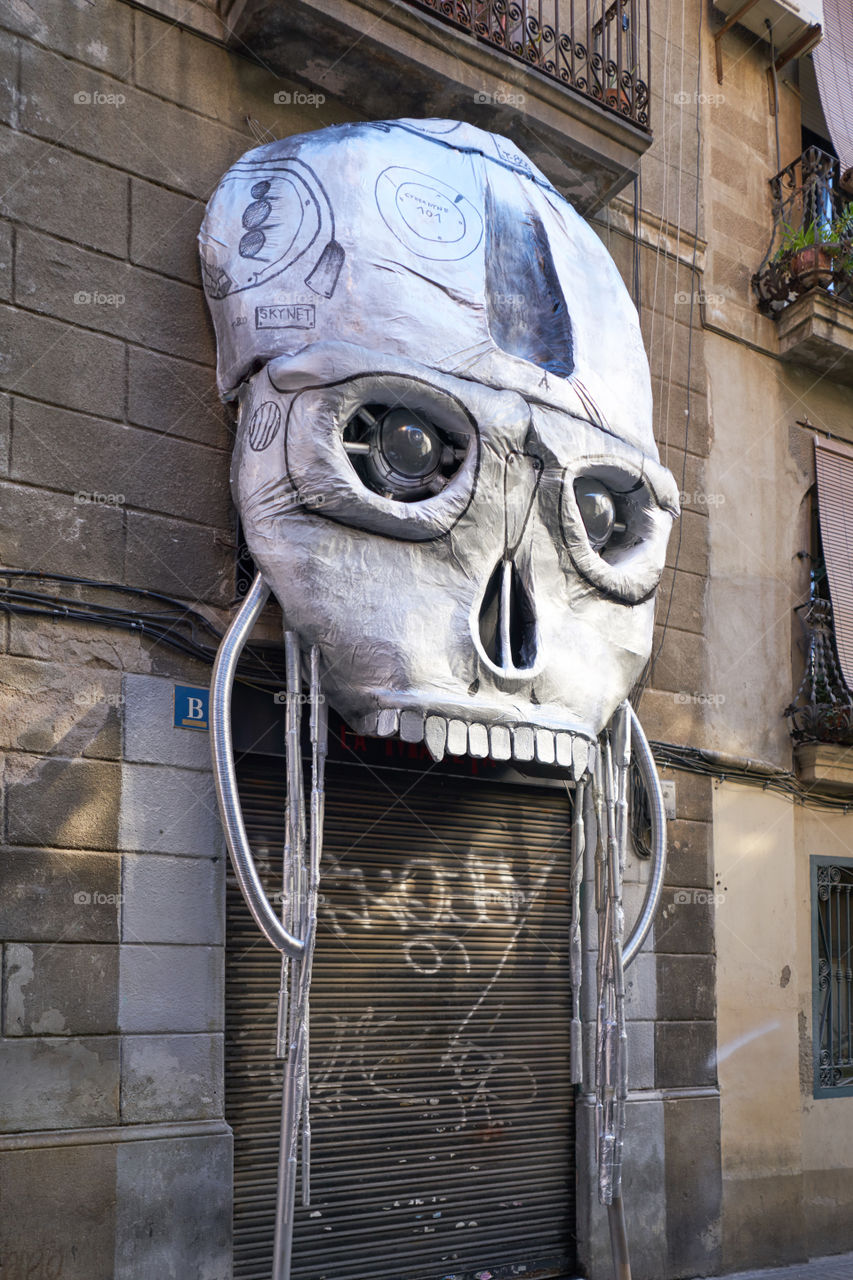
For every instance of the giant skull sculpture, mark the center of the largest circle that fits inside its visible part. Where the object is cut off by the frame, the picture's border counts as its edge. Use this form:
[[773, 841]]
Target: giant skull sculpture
[[445, 466]]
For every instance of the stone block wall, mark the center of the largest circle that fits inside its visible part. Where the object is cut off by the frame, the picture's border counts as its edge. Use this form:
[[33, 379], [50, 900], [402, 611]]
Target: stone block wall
[[115, 125]]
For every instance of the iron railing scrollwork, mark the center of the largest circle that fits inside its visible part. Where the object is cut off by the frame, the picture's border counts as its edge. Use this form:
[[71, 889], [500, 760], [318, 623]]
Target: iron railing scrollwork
[[811, 244], [822, 709], [834, 976], [596, 48]]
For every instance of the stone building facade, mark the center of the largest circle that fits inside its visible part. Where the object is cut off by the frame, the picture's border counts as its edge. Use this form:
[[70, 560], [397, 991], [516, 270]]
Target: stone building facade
[[117, 122]]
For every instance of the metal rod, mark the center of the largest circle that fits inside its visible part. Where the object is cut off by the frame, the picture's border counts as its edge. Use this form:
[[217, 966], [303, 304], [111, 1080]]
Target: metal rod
[[575, 935], [294, 851], [651, 782], [619, 1239], [225, 776]]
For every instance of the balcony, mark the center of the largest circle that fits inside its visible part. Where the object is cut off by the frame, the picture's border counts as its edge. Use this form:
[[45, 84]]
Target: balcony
[[821, 715], [805, 282], [566, 80]]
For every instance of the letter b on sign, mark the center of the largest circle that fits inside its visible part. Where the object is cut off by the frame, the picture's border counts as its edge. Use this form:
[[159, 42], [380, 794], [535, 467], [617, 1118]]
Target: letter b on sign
[[191, 707]]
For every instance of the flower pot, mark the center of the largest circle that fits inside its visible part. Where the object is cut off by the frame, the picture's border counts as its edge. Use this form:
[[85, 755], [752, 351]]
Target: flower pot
[[619, 100], [812, 265]]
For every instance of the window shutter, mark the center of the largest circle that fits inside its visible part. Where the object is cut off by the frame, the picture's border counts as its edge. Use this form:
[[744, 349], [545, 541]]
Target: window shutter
[[833, 59], [834, 463]]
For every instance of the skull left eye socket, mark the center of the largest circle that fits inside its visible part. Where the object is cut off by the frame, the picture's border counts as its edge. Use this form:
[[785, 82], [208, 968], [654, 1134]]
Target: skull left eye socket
[[400, 453]]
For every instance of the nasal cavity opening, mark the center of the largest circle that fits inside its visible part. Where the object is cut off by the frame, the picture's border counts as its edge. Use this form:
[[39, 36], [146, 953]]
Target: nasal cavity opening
[[508, 620]]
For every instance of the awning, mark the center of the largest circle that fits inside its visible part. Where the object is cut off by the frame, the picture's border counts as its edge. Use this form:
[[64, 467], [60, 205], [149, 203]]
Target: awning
[[834, 463], [833, 60]]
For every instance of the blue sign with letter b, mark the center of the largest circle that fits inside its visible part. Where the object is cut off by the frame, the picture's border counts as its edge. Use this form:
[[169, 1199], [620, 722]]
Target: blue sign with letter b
[[191, 707]]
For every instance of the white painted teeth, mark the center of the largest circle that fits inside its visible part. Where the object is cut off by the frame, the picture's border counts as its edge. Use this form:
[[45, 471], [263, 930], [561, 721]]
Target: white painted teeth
[[435, 736], [388, 723], [581, 757], [411, 726], [501, 742], [457, 738]]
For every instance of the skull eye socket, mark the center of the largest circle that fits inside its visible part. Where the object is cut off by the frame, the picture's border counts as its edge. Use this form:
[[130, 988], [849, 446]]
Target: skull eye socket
[[597, 506], [615, 527], [400, 453]]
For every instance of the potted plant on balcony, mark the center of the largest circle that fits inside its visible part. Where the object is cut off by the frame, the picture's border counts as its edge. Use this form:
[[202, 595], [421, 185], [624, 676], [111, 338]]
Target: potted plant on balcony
[[842, 263], [807, 254]]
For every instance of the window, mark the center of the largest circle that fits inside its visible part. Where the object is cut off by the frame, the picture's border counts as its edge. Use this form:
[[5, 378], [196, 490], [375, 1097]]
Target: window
[[832, 976]]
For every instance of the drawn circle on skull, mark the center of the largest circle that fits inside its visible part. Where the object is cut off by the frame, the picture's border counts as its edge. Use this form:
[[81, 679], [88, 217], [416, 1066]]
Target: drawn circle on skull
[[264, 426], [427, 216], [428, 127], [260, 223]]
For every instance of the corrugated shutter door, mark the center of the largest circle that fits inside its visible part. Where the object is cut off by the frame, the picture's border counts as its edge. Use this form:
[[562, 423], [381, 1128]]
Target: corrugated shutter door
[[442, 1112], [834, 465]]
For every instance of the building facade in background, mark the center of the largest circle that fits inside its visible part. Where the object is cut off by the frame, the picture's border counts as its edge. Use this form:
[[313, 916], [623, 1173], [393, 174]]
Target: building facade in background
[[139, 1086]]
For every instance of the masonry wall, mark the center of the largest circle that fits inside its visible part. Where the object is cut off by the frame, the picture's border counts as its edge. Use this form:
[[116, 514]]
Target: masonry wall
[[672, 1162], [114, 127], [786, 1158]]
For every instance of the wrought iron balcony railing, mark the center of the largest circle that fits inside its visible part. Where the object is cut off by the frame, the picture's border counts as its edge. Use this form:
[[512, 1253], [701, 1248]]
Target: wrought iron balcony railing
[[812, 241], [822, 710], [598, 48]]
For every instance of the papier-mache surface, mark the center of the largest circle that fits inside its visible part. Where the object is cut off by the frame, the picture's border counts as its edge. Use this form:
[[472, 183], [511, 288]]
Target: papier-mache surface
[[427, 236]]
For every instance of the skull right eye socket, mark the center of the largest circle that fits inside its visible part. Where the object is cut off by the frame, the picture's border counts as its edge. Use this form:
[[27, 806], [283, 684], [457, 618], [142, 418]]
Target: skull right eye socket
[[400, 453]]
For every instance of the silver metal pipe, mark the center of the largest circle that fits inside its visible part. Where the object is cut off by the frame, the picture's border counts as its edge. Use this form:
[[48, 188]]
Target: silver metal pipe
[[225, 776], [619, 1239], [651, 781], [575, 933]]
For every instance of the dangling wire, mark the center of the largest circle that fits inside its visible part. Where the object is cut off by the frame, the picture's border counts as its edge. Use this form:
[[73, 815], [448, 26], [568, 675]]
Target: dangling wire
[[575, 933], [302, 884]]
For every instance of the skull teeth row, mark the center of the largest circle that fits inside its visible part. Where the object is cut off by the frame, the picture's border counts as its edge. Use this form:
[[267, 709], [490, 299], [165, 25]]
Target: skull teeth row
[[502, 742]]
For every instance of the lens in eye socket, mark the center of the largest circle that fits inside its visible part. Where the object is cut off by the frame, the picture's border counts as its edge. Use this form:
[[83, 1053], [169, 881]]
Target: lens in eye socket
[[409, 446], [401, 454], [597, 508]]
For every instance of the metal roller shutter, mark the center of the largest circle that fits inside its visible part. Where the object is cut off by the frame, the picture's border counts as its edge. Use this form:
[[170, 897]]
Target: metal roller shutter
[[442, 1112]]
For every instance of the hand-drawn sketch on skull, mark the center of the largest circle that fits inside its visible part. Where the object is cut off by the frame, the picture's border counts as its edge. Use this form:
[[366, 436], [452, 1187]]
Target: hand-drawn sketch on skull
[[446, 473]]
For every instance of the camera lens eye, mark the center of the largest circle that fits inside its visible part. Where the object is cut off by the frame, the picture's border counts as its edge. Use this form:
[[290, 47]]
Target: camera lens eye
[[597, 508], [401, 454], [409, 446]]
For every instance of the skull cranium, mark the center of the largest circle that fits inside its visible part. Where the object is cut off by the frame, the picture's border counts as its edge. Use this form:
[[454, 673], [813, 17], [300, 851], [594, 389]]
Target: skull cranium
[[445, 467]]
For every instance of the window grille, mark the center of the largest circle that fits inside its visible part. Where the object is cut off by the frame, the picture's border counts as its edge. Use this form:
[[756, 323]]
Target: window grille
[[832, 916]]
